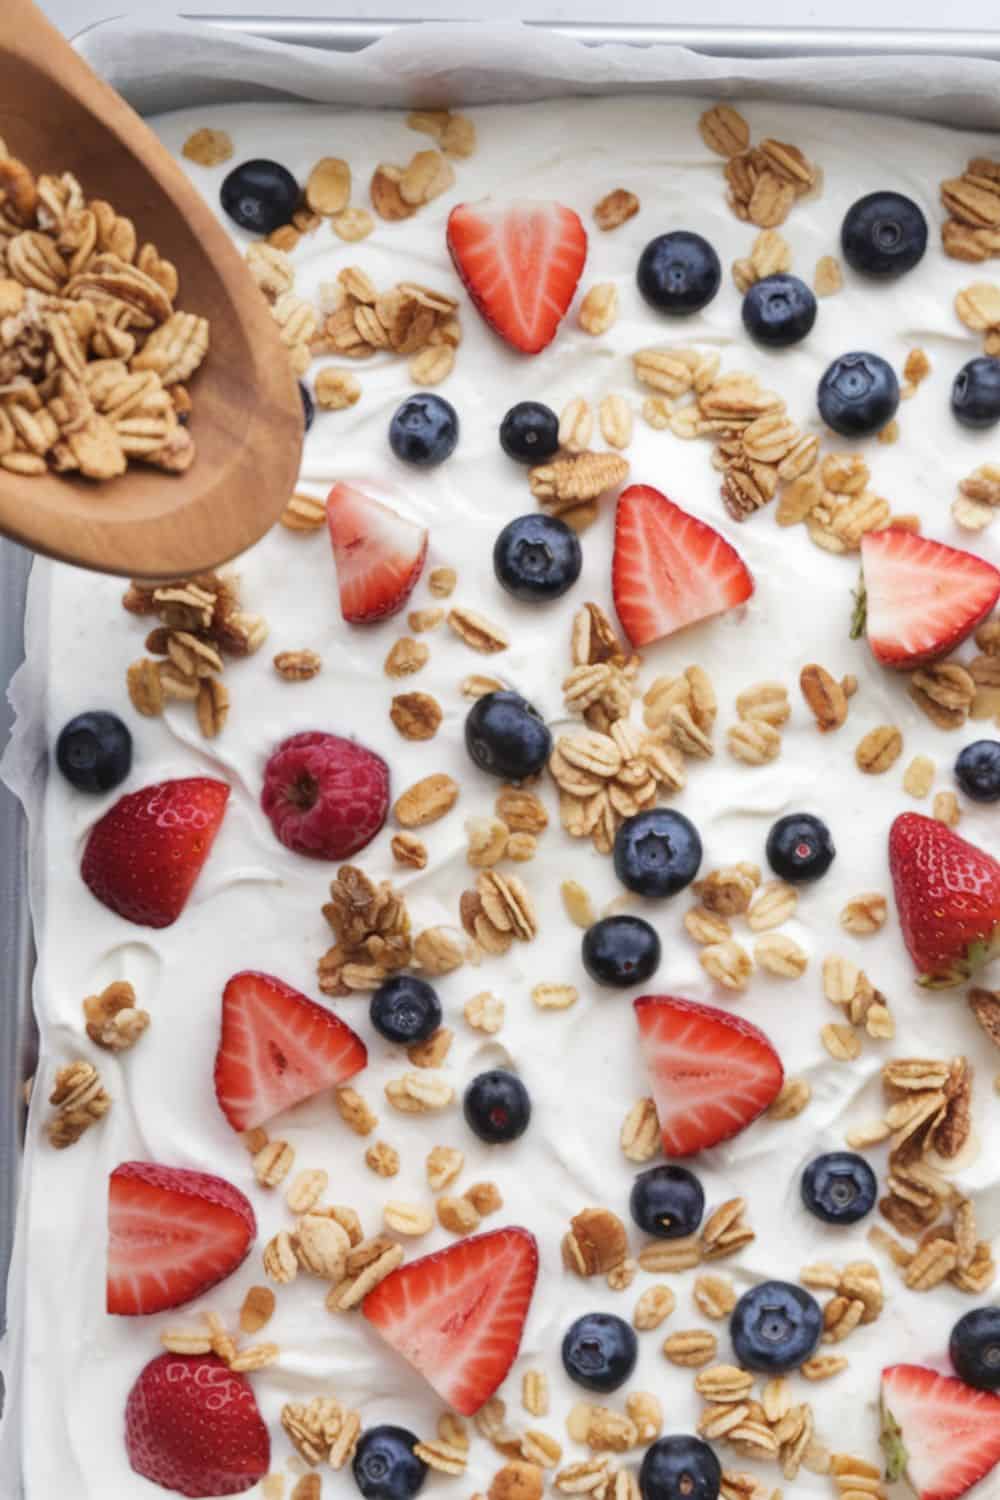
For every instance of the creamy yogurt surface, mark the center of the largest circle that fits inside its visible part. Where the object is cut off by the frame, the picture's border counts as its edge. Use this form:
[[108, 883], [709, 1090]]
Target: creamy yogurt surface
[[257, 905]]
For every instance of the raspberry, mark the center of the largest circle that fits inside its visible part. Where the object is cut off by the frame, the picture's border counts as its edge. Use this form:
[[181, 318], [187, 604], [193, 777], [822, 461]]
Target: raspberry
[[325, 796]]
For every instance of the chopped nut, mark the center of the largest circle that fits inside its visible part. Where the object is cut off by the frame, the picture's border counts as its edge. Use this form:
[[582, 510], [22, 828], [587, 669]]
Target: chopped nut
[[407, 849], [565, 482], [257, 1310], [485, 1012], [382, 1159], [336, 390], [297, 666], [114, 1020], [825, 696], [517, 1480], [417, 716], [597, 1242], [209, 148]]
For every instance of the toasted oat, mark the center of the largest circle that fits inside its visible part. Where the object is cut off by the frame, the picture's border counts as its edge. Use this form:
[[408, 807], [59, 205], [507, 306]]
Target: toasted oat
[[298, 666], [336, 389], [272, 1164], [476, 631], [207, 147], [444, 1163], [754, 742], [566, 482], [304, 513], [485, 1012], [426, 801], [727, 963], [825, 697], [724, 1383], [441, 582], [842, 1042], [918, 778], [354, 1111], [280, 1261], [431, 1052], [599, 308], [946, 809], [775, 902], [706, 926], [791, 1101], [879, 749], [697, 1346], [438, 950], [865, 914], [670, 1255], [382, 1159], [615, 208], [828, 278], [554, 996], [405, 657], [417, 716], [780, 955], [640, 1132], [457, 1215], [724, 130]]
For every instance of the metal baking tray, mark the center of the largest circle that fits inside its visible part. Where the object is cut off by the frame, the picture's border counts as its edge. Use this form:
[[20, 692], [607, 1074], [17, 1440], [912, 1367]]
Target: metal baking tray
[[16, 956]]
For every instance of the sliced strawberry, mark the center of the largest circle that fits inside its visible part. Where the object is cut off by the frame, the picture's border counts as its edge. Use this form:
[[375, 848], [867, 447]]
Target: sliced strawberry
[[143, 857], [940, 1433], [172, 1234], [920, 598], [948, 899], [670, 569], [277, 1048], [193, 1425], [458, 1315], [378, 553], [712, 1073], [520, 263]]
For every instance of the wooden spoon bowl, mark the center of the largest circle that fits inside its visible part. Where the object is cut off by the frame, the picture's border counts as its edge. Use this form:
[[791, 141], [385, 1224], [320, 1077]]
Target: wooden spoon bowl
[[56, 115]]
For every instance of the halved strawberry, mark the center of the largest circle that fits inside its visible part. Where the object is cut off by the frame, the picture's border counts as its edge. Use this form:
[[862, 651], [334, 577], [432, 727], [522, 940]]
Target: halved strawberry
[[143, 857], [458, 1315], [712, 1073], [277, 1048], [919, 598], [379, 555], [670, 569], [193, 1425], [520, 263], [172, 1234], [948, 899], [940, 1433]]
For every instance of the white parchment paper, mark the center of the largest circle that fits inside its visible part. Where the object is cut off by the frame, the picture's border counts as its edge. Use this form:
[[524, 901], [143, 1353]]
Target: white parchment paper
[[484, 63]]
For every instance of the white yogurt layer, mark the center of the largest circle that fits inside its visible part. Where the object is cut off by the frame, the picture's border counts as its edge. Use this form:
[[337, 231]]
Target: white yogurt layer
[[258, 905]]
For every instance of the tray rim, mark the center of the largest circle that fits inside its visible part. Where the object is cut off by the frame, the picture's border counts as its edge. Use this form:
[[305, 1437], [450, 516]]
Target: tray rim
[[725, 41]]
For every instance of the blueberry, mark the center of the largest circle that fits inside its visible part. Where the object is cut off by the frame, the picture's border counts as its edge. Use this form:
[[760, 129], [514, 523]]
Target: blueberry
[[424, 430], [799, 847], [858, 395], [975, 1348], [657, 853], [405, 1009], [385, 1466], [883, 234], [774, 1327], [839, 1187], [680, 1468], [537, 558], [975, 394], [506, 736], [621, 951], [94, 752], [529, 432], [260, 195], [778, 311], [977, 770], [599, 1351], [667, 1202], [679, 273], [308, 404], [497, 1107]]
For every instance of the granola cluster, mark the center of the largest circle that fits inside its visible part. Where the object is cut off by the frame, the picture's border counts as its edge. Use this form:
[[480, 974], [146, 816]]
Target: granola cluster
[[763, 182], [202, 622], [94, 354]]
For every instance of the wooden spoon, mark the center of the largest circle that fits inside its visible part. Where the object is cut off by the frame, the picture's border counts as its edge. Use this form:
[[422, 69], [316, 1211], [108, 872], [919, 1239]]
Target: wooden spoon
[[56, 115]]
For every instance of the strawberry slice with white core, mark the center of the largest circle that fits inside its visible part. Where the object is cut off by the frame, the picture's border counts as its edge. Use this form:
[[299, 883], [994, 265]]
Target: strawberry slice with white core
[[921, 598], [458, 1315], [379, 555], [670, 569], [520, 263], [172, 1234], [277, 1048], [940, 1433], [712, 1073]]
